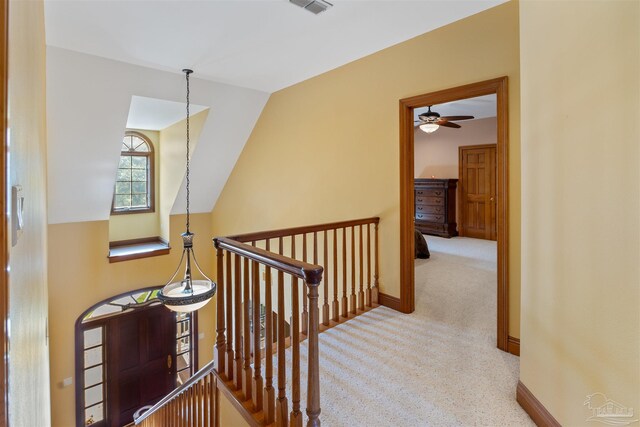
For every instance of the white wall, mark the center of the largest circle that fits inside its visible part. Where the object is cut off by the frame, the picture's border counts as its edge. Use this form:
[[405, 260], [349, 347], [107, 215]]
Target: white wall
[[88, 101], [580, 316]]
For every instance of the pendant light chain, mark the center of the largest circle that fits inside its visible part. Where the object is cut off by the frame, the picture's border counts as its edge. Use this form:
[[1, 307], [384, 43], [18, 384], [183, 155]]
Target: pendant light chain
[[190, 293], [187, 73]]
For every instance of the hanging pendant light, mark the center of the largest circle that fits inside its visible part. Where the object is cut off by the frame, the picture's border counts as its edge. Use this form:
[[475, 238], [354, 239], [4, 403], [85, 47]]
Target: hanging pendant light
[[189, 294]]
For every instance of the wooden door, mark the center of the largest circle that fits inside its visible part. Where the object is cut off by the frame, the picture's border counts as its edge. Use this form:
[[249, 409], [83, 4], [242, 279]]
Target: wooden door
[[140, 361], [477, 184]]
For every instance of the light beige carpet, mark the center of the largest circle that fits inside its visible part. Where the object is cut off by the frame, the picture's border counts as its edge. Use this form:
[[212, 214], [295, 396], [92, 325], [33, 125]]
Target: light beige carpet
[[438, 366]]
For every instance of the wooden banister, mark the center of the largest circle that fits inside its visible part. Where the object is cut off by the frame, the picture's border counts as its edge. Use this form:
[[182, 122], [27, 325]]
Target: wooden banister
[[252, 330], [295, 231], [195, 379], [310, 273]]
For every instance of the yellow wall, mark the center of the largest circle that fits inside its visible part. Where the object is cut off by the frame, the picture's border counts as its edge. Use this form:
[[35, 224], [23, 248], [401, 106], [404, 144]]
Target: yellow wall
[[327, 149], [28, 364], [581, 204], [135, 226], [172, 163], [80, 275]]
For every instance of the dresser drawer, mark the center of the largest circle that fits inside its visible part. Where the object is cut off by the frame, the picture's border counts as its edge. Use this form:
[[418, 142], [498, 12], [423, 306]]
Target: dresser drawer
[[430, 192], [426, 209], [430, 217], [427, 200], [431, 228]]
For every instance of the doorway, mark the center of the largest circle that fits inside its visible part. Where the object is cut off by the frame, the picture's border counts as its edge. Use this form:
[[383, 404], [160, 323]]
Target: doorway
[[407, 269], [131, 351], [140, 356]]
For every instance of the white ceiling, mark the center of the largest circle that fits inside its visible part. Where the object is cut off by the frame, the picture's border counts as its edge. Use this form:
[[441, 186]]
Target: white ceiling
[[479, 107], [157, 114], [259, 44]]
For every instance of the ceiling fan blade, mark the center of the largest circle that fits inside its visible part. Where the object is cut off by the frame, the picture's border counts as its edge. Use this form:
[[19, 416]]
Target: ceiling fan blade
[[449, 125], [455, 118]]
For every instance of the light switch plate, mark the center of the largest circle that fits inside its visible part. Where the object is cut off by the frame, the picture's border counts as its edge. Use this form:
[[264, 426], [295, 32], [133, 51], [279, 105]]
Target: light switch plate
[[17, 208]]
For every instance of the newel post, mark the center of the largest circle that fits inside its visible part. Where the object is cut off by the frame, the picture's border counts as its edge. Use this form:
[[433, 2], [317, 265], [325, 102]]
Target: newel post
[[220, 327], [313, 381]]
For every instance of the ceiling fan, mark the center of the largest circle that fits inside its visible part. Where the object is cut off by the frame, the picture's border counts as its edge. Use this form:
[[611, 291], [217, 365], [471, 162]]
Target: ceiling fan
[[430, 121]]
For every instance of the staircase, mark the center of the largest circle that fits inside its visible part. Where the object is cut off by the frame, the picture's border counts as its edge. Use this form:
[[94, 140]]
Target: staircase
[[312, 279]]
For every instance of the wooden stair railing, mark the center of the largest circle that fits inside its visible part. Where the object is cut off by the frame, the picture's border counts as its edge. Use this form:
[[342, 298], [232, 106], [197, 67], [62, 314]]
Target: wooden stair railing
[[249, 266], [193, 404]]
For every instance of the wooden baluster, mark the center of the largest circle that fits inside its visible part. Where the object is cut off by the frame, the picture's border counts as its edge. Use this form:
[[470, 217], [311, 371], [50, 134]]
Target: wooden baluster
[[213, 402], [296, 414], [361, 278], [196, 405], [315, 256], [229, 343], [313, 380], [205, 401], [282, 407], [174, 413], [345, 306], [257, 358], [237, 313], [374, 290], [183, 410], [305, 313], [187, 408], [352, 297], [269, 391], [335, 305], [325, 263], [246, 332], [220, 329], [368, 294]]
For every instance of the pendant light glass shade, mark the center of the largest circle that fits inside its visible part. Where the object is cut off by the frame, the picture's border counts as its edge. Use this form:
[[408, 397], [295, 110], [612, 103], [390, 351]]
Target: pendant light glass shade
[[188, 294], [429, 127]]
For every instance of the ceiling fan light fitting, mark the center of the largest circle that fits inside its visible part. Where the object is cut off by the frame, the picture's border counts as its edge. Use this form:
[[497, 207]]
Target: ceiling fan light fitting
[[429, 127]]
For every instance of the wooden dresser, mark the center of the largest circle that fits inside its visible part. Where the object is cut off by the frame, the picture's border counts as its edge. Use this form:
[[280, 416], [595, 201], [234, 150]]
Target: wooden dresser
[[435, 206]]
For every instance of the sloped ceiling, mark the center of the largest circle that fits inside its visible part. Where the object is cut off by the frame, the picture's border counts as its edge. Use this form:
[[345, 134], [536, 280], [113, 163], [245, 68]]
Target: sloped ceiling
[[102, 54], [88, 101], [261, 44]]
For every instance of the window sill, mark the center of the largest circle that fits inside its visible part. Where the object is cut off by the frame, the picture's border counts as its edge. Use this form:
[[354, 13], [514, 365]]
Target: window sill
[[126, 250]]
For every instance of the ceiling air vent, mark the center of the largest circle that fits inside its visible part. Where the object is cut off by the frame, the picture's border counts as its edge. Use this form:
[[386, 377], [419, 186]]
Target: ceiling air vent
[[315, 6]]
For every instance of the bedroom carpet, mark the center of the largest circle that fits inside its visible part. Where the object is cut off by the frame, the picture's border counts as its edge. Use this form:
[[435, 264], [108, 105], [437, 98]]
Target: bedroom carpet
[[438, 366]]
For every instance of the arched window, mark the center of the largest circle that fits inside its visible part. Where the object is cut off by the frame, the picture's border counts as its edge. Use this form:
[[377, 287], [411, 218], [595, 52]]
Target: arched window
[[134, 182]]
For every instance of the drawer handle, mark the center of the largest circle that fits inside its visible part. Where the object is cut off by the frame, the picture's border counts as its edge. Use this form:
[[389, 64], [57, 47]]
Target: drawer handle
[[419, 208], [438, 209], [438, 193]]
